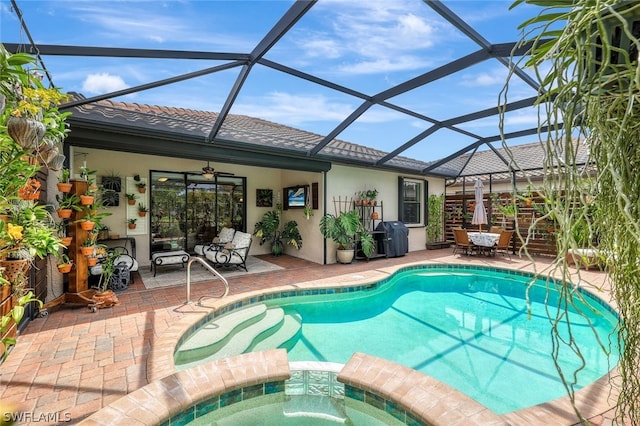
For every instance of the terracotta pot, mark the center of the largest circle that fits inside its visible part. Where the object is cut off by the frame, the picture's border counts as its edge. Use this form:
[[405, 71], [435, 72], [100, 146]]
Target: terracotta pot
[[66, 241], [142, 190], [65, 268], [64, 186], [132, 226], [87, 225], [87, 250], [87, 200], [92, 261], [25, 132], [142, 214], [131, 202], [64, 213], [374, 215]]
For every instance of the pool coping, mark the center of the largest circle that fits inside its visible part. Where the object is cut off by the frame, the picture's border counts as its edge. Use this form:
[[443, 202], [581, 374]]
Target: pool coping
[[593, 400]]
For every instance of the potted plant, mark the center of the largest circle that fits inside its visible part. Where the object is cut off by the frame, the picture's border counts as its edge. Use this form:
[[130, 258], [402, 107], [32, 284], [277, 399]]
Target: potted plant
[[65, 264], [63, 181], [142, 210], [142, 187], [131, 199], [370, 195], [508, 210], [345, 230], [67, 204], [269, 229], [308, 211], [91, 218], [105, 298], [88, 246], [131, 223]]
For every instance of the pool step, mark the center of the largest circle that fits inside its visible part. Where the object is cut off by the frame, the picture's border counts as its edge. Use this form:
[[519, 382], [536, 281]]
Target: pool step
[[242, 339], [211, 337], [317, 407], [289, 329]]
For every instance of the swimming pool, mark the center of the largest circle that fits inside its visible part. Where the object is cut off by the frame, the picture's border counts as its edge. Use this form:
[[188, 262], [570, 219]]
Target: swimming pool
[[467, 327]]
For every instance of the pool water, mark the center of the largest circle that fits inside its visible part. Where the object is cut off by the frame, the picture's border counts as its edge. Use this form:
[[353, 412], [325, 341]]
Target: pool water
[[468, 329]]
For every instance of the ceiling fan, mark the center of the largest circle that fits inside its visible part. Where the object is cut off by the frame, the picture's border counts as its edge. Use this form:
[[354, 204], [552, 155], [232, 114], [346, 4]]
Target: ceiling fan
[[209, 172]]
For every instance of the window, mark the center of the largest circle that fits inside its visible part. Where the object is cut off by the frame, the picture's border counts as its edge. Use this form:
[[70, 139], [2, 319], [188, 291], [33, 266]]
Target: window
[[411, 201]]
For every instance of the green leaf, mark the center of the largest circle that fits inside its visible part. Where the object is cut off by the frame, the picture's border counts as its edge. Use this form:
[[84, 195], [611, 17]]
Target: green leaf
[[17, 313]]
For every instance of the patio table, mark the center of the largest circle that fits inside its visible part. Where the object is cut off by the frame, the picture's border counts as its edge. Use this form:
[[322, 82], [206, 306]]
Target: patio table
[[484, 240]]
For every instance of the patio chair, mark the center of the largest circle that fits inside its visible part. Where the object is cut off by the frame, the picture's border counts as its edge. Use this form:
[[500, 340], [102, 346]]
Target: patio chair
[[503, 244], [234, 253], [462, 242], [225, 236]]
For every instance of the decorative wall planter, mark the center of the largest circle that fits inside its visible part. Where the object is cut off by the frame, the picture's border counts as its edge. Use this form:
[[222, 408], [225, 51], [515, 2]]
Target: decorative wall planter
[[65, 268], [64, 213], [87, 225], [87, 250], [66, 241], [87, 200], [64, 186]]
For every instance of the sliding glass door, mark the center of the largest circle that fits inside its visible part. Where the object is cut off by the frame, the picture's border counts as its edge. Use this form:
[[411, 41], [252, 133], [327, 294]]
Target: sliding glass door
[[187, 209]]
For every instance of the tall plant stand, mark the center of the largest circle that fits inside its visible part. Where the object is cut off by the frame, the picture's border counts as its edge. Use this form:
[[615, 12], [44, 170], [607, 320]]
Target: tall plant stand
[[77, 281]]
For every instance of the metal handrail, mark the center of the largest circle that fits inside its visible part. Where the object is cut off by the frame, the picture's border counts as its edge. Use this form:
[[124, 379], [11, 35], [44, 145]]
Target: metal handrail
[[212, 270]]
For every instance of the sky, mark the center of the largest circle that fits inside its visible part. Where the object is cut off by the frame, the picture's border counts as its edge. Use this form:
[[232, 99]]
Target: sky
[[366, 45]]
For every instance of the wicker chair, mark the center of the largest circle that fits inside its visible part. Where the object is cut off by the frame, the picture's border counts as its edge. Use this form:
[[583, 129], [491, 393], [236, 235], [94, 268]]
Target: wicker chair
[[504, 243], [462, 242]]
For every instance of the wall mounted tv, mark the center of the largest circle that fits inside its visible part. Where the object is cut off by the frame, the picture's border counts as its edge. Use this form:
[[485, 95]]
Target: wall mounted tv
[[295, 197]]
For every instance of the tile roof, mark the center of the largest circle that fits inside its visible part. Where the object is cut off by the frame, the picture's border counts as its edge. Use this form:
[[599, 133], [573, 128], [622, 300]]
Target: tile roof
[[182, 122]]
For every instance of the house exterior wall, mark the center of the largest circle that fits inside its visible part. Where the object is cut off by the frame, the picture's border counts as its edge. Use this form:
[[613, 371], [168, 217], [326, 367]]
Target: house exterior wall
[[343, 183]]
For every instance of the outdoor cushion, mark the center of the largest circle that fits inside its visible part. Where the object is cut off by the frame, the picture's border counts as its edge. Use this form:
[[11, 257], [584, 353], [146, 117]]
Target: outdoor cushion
[[234, 253], [225, 236]]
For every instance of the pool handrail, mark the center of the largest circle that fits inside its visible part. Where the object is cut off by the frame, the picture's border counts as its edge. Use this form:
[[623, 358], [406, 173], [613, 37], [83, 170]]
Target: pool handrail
[[212, 270]]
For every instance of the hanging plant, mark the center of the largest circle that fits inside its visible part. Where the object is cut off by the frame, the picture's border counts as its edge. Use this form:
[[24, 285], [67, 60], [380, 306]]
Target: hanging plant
[[589, 83]]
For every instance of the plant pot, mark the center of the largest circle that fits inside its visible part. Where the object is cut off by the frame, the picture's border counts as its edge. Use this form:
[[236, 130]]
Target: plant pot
[[277, 248], [64, 213], [66, 241], [142, 214], [142, 190], [345, 256], [87, 200], [131, 202], [374, 215], [87, 225], [92, 261], [25, 132], [87, 250], [132, 226], [64, 186], [64, 268]]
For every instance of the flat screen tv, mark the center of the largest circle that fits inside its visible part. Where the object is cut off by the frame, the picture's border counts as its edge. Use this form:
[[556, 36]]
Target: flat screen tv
[[295, 197]]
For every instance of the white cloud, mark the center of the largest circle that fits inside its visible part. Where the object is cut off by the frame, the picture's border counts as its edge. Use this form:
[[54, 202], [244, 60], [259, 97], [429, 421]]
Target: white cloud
[[102, 83], [294, 109]]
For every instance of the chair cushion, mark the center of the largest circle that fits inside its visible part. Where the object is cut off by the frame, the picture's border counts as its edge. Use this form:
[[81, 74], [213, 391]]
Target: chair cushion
[[226, 235]]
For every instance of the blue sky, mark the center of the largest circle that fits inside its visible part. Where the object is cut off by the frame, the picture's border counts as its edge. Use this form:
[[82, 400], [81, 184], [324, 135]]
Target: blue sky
[[368, 46]]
